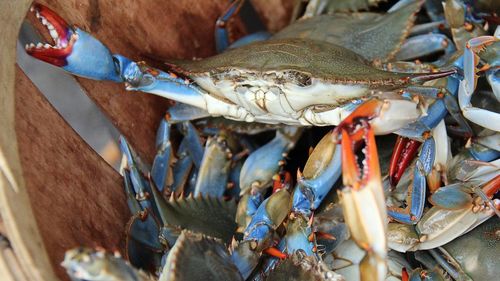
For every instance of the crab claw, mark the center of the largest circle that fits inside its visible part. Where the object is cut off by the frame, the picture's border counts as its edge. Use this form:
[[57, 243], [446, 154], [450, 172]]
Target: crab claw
[[482, 117], [259, 232], [403, 154], [73, 49], [362, 195]]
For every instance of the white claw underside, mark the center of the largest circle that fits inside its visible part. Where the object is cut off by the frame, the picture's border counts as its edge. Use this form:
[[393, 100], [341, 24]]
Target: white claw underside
[[477, 171], [365, 214], [482, 117], [443, 152], [395, 114], [440, 226]]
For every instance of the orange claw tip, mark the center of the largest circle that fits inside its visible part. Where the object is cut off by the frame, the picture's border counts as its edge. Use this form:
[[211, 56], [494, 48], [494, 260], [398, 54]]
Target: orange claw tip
[[404, 275], [403, 154], [325, 236], [272, 251], [350, 171], [492, 187], [369, 109], [311, 237], [352, 175]]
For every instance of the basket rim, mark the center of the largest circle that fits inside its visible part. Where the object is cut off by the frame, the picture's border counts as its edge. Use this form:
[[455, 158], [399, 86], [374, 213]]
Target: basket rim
[[15, 207]]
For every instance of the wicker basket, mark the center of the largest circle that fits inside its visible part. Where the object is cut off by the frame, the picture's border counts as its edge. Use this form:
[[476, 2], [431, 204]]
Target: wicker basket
[[55, 191]]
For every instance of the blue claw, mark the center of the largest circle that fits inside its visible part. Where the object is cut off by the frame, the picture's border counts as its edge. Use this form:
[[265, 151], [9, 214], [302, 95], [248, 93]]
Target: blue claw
[[215, 167], [258, 236], [251, 38], [83, 55], [482, 153], [181, 112], [426, 44], [141, 188], [256, 175], [159, 170], [416, 194], [132, 203], [76, 51], [418, 129], [452, 197], [193, 142], [182, 168], [310, 192]]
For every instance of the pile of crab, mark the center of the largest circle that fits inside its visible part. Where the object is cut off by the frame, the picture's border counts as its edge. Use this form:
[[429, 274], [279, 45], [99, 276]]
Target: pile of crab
[[278, 174]]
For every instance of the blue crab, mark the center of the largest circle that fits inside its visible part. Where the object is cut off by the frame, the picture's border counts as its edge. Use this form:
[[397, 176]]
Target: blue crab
[[300, 82], [291, 81]]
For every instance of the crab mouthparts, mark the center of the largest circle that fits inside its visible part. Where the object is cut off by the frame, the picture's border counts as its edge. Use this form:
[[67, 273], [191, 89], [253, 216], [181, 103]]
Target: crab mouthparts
[[61, 33]]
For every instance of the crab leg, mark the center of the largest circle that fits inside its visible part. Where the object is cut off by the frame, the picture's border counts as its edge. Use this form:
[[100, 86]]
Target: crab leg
[[416, 193], [214, 171], [141, 189], [482, 153], [143, 229], [79, 53], [424, 45], [161, 162], [248, 205], [258, 236], [485, 118], [256, 175], [181, 112], [322, 170], [222, 35], [221, 31], [182, 168]]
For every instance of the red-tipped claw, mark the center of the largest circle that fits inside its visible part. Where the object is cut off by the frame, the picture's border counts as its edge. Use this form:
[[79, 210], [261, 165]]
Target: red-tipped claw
[[352, 175], [282, 180], [403, 154], [404, 275], [272, 251], [62, 35], [362, 196]]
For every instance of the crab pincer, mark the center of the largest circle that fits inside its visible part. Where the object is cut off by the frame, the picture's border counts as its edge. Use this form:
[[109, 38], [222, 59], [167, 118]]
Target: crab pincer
[[73, 49], [362, 195]]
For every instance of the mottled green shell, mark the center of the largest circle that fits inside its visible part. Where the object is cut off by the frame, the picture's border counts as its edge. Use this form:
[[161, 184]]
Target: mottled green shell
[[348, 5], [477, 251], [198, 257], [317, 59], [373, 36]]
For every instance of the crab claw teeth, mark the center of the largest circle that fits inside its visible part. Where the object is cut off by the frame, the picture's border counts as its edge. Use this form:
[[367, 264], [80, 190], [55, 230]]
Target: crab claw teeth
[[350, 171], [60, 32], [355, 129]]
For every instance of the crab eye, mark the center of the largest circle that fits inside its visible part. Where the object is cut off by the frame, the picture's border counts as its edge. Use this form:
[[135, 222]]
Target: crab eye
[[304, 80], [117, 65], [299, 78]]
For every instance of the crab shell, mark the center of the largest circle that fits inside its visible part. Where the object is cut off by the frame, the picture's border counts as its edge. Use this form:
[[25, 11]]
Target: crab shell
[[301, 82]]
